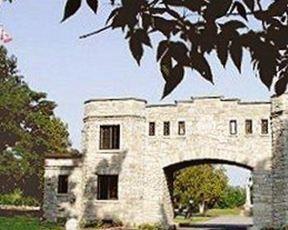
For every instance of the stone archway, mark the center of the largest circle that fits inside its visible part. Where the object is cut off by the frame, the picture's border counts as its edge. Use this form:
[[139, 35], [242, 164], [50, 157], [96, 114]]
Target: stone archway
[[262, 188], [171, 169]]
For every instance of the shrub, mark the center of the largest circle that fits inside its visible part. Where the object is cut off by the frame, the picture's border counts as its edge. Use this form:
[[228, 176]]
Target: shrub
[[16, 198], [150, 227], [232, 197], [101, 224]]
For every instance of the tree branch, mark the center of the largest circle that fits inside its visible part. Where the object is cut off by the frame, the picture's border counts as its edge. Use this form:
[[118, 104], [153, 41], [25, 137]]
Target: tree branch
[[95, 32]]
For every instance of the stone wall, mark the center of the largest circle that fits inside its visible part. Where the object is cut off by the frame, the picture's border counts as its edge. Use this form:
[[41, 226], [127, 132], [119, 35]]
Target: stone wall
[[62, 205], [142, 161], [126, 162], [280, 160]]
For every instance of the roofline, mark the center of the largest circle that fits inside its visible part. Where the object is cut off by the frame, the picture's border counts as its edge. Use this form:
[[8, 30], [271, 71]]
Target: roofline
[[221, 98], [115, 99], [63, 156], [208, 97], [161, 105]]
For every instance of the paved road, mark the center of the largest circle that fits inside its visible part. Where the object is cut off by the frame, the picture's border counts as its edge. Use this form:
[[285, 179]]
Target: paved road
[[224, 222]]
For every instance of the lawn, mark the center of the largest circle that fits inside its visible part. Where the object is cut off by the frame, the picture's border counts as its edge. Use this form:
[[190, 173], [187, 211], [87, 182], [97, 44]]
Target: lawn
[[209, 215], [223, 212], [25, 223]]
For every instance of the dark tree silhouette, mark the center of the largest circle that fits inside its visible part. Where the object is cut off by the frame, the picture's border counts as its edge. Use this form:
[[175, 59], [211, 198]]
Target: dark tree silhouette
[[192, 29]]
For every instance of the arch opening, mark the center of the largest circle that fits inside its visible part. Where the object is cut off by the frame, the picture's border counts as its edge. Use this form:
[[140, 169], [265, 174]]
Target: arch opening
[[171, 170]]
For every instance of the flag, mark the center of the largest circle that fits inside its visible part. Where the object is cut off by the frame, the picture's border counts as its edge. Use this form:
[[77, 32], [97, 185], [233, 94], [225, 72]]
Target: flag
[[4, 36]]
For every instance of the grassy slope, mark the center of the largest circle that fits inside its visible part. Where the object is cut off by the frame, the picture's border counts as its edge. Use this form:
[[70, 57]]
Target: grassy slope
[[209, 215], [25, 223]]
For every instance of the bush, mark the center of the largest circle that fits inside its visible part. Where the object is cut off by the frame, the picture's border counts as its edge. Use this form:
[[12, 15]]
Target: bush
[[101, 224], [150, 227], [16, 198], [232, 197]]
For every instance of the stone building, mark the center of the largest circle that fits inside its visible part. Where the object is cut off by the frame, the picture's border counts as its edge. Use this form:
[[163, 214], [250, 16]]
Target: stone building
[[131, 149]]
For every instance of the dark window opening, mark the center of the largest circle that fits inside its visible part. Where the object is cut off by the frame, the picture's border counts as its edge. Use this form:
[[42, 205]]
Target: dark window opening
[[107, 187], [248, 127], [181, 128], [63, 184], [151, 128], [264, 126], [166, 128], [233, 127], [109, 136]]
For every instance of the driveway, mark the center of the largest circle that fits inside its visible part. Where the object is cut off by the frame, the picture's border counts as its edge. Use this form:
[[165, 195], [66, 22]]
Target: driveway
[[223, 222]]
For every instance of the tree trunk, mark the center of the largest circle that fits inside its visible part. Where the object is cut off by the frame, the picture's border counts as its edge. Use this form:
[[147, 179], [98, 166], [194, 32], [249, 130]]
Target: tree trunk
[[202, 208]]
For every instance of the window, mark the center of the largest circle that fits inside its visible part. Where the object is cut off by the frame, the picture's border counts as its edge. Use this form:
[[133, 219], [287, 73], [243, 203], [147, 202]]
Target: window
[[181, 128], [264, 126], [166, 128], [233, 127], [63, 184], [107, 187], [151, 128], [109, 136], [248, 127]]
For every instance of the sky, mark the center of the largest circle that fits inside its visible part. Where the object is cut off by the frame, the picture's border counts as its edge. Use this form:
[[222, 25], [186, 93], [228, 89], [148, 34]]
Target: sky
[[53, 59]]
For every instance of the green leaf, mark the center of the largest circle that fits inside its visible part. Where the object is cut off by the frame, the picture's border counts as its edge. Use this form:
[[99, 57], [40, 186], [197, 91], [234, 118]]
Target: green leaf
[[222, 48], [200, 64], [174, 79], [162, 48], [112, 14], [143, 37], [136, 47], [146, 21], [93, 4], [241, 10], [236, 53], [166, 66], [71, 7], [179, 52], [281, 84], [164, 26], [233, 25], [250, 4]]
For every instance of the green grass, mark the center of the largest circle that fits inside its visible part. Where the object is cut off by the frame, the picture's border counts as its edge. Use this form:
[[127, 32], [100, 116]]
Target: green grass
[[223, 212], [25, 223], [209, 215], [195, 219]]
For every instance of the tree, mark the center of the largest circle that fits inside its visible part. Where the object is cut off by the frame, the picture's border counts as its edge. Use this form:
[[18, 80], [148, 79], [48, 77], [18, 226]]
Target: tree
[[203, 184], [232, 197], [192, 29], [28, 126]]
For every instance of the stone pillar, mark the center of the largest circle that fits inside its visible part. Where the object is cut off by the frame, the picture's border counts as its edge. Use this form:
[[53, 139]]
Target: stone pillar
[[262, 198], [279, 117], [248, 202]]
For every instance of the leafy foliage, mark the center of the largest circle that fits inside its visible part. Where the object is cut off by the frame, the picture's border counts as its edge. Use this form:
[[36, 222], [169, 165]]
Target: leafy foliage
[[28, 126], [232, 197], [150, 227], [192, 29], [17, 198], [203, 183]]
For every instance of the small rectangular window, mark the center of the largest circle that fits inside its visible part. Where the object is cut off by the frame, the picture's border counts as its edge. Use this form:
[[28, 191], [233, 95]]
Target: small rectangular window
[[109, 136], [248, 127], [63, 184], [166, 128], [264, 126], [181, 128], [151, 128], [107, 187], [233, 127]]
